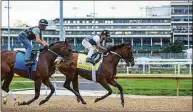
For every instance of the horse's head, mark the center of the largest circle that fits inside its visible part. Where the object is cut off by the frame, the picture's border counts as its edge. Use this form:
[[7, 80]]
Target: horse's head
[[125, 51], [62, 49]]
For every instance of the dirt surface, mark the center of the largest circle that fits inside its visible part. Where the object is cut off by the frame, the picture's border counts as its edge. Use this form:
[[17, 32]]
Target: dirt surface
[[69, 103]]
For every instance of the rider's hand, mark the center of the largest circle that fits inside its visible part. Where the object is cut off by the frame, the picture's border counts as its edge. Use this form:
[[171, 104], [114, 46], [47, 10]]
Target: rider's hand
[[104, 50], [46, 45]]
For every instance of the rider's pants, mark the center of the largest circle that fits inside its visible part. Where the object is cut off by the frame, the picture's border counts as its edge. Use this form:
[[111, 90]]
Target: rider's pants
[[91, 49], [27, 45]]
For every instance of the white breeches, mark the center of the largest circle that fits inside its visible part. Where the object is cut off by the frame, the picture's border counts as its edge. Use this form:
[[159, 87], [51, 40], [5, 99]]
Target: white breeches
[[91, 49]]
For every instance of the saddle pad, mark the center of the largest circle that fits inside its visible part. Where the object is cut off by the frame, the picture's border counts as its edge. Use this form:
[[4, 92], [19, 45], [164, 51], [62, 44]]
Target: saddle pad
[[82, 65], [19, 62]]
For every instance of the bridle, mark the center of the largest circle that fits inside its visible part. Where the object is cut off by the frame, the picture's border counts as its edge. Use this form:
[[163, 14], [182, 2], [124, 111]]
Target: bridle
[[56, 54], [63, 57], [123, 58]]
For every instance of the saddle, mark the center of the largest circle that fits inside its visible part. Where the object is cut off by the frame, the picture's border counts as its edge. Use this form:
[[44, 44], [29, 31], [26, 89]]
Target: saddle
[[96, 57]]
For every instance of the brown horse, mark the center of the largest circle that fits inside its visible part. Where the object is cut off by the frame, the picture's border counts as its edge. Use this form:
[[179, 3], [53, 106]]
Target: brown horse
[[108, 72], [45, 68]]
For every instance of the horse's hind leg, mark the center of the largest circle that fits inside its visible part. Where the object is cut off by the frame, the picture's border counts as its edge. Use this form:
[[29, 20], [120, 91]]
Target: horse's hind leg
[[7, 80], [116, 84], [5, 87], [107, 87], [48, 84], [67, 86], [37, 93]]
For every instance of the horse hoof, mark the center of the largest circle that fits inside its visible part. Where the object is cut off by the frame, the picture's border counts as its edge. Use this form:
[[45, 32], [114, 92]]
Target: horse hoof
[[78, 100], [42, 102], [84, 103], [16, 103], [96, 100], [23, 103], [122, 104], [4, 102]]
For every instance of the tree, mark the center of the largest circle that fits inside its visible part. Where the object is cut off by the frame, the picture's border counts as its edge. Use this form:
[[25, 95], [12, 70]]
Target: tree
[[176, 47], [19, 23]]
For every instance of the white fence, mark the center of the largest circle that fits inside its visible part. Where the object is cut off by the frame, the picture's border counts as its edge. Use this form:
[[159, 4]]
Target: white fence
[[176, 62]]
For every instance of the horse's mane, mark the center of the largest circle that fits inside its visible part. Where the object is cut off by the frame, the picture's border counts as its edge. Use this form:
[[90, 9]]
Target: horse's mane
[[45, 48], [55, 43], [112, 48]]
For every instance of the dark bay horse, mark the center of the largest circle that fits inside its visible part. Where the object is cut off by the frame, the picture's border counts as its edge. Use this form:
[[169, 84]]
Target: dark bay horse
[[107, 75], [45, 68]]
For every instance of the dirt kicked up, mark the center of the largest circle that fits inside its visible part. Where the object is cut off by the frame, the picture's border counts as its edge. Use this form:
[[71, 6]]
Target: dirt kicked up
[[69, 103]]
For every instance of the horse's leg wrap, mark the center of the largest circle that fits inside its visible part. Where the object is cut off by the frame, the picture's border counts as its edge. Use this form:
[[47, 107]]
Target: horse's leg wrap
[[4, 95]]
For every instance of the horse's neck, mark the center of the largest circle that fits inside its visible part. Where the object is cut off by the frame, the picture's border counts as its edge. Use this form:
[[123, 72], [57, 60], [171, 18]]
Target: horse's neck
[[50, 57], [114, 58]]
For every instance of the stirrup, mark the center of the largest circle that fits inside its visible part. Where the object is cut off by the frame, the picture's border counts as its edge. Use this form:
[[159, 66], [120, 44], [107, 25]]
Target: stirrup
[[29, 62]]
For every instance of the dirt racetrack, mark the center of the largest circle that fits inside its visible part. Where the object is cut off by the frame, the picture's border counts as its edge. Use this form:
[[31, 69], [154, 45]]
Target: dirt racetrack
[[69, 103]]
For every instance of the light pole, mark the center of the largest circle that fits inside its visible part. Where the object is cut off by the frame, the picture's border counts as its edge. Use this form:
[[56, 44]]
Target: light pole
[[188, 26], [8, 26], [172, 24], [94, 15], [62, 37]]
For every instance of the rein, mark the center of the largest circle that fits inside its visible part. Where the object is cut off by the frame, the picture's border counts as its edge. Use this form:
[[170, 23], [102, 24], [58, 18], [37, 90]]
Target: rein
[[56, 54], [113, 53], [116, 54]]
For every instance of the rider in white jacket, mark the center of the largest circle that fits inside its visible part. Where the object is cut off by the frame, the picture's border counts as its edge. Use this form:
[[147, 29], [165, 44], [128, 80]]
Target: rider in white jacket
[[91, 42]]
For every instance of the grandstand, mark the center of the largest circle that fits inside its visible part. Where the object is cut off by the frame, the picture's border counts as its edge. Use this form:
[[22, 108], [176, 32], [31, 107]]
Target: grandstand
[[146, 34]]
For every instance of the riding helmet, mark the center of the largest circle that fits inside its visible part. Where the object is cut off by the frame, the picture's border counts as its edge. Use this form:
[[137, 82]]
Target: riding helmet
[[105, 32], [43, 22]]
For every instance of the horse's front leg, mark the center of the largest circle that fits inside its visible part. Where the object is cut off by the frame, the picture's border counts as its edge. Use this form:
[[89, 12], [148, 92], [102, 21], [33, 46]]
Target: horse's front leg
[[116, 84], [37, 93], [48, 84], [107, 87]]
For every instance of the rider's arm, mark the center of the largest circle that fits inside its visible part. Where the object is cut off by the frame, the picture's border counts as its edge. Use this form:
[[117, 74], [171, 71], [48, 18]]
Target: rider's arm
[[36, 31], [42, 42], [100, 47], [96, 38]]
